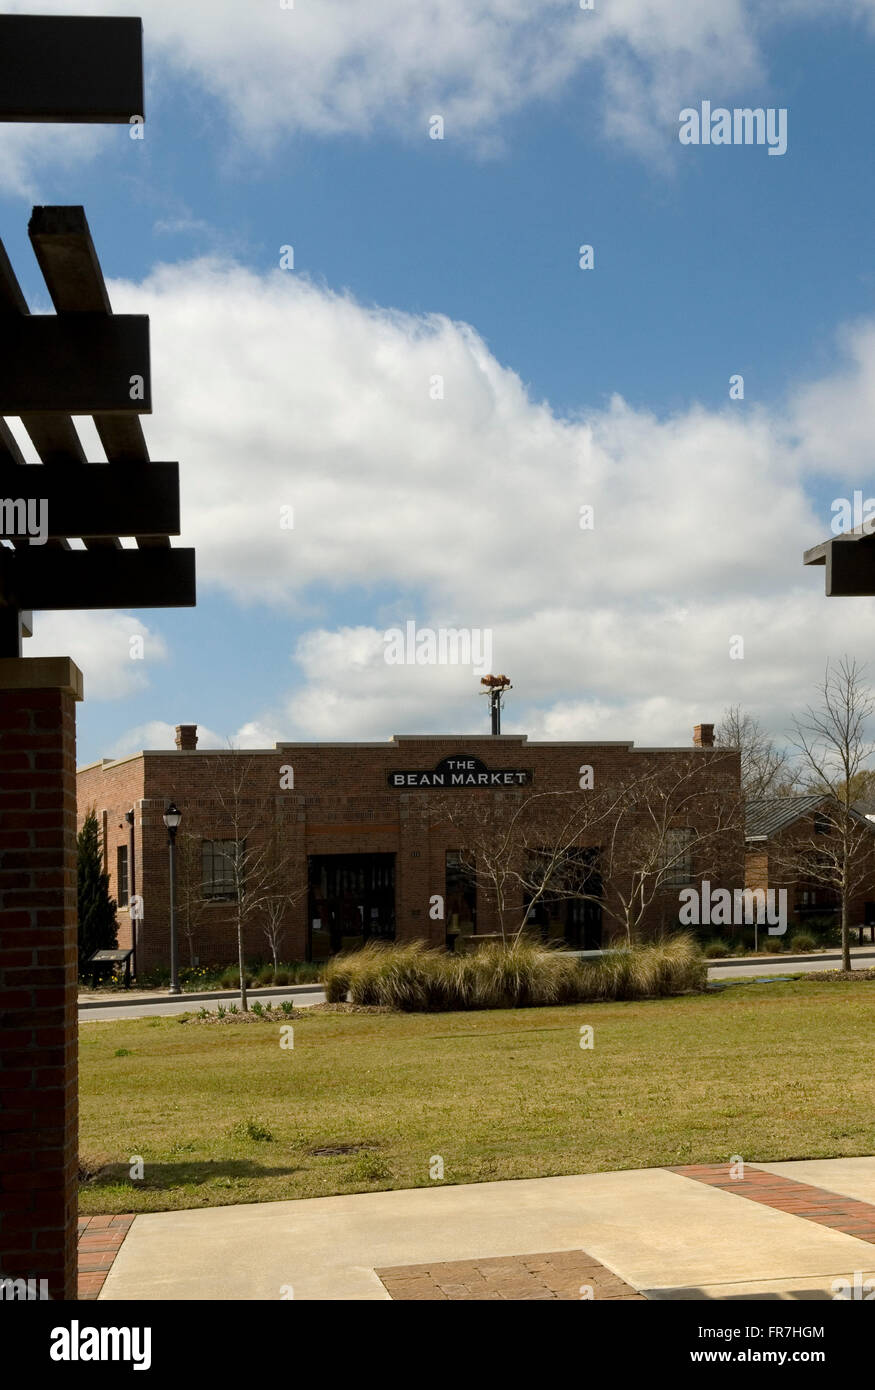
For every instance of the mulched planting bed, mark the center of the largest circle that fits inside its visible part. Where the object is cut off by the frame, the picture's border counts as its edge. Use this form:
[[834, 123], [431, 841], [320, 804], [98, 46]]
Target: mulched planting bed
[[829, 976], [283, 1015]]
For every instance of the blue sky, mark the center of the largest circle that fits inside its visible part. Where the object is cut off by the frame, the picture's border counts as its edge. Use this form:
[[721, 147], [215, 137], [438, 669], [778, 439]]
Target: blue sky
[[708, 261]]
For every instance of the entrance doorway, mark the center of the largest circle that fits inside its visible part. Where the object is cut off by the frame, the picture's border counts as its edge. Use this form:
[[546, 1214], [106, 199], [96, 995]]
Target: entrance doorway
[[351, 901], [576, 921], [460, 897]]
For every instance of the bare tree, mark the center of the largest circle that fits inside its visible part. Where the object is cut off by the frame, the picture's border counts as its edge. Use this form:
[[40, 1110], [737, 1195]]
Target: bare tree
[[833, 742], [284, 892], [249, 829], [190, 901], [653, 830], [765, 768], [505, 834], [674, 824], [273, 924]]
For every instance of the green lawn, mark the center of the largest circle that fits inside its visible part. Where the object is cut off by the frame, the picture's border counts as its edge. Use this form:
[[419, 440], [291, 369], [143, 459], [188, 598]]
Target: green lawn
[[769, 1072]]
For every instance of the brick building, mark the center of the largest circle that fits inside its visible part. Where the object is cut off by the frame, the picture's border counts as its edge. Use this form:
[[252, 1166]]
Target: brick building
[[362, 836], [785, 836]]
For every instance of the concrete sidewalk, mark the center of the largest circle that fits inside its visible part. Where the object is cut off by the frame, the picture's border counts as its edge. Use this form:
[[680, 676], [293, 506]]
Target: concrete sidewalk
[[687, 1233]]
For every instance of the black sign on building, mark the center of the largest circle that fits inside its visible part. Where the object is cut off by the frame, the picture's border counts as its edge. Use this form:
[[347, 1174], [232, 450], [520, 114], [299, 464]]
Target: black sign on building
[[460, 772]]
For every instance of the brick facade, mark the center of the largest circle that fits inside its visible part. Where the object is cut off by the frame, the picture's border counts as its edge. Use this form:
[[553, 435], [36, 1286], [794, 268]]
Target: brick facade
[[336, 801], [38, 1028], [773, 863]]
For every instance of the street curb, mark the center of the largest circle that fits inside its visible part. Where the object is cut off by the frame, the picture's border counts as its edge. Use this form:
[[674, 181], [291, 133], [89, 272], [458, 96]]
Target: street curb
[[118, 1000], [726, 963]]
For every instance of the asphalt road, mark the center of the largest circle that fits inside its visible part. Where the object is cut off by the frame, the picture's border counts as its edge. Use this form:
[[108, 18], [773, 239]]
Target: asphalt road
[[862, 959], [182, 1004]]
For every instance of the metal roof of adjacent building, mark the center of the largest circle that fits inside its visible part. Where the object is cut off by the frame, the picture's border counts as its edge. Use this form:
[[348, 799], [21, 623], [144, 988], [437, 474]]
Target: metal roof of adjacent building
[[764, 816]]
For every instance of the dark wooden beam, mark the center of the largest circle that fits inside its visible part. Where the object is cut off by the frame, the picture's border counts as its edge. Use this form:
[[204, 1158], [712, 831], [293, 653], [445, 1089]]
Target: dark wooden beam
[[122, 438], [73, 364], [70, 68], [54, 437], [11, 632], [850, 569], [12, 300], [9, 450], [850, 564], [40, 578], [11, 455], [98, 500], [63, 245], [13, 627]]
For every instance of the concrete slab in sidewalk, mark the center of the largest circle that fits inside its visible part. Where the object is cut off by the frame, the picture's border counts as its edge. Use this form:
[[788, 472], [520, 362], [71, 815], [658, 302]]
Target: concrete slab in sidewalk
[[852, 1177], [656, 1229]]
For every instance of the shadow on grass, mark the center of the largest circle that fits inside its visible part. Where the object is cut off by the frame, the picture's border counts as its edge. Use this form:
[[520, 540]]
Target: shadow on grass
[[162, 1176]]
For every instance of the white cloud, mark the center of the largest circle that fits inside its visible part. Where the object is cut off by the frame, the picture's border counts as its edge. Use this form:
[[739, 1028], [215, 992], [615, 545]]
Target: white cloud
[[101, 643], [832, 418], [385, 67], [28, 153], [464, 512], [157, 734], [475, 496], [335, 68]]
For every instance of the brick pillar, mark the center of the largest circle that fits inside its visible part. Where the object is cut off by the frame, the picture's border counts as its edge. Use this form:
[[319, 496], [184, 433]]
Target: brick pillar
[[38, 974], [415, 882]]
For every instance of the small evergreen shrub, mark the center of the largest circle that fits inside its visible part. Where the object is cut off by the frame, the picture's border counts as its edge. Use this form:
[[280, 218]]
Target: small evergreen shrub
[[98, 928], [803, 942]]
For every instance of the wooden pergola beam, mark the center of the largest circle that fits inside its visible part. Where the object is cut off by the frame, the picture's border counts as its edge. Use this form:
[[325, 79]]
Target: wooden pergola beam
[[71, 68], [39, 578], [74, 364], [850, 564], [97, 500], [62, 243]]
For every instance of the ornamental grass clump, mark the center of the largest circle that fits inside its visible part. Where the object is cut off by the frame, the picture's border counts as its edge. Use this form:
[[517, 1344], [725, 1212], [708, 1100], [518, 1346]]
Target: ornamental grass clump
[[397, 976], [415, 977]]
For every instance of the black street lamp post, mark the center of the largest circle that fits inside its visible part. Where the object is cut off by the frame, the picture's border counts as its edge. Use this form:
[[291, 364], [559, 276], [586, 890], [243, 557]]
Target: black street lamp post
[[172, 818], [132, 886]]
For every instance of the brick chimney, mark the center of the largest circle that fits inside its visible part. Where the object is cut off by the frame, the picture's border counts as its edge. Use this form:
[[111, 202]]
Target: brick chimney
[[186, 737], [703, 736]]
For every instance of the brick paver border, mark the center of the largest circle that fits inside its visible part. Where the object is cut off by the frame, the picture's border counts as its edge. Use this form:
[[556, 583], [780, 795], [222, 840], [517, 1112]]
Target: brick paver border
[[560, 1274], [846, 1214], [100, 1240]]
